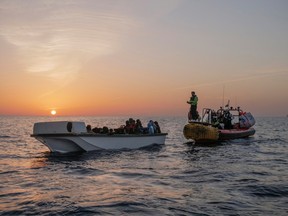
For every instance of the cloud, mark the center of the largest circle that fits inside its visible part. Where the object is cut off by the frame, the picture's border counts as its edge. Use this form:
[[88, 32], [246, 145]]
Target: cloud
[[55, 38], [256, 75]]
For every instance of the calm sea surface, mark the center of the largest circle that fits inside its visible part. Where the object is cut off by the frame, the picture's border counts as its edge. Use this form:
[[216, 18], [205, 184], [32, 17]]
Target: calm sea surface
[[239, 177]]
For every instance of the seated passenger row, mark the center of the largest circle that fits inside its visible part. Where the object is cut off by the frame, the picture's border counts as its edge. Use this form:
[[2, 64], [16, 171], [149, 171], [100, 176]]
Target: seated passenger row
[[131, 127]]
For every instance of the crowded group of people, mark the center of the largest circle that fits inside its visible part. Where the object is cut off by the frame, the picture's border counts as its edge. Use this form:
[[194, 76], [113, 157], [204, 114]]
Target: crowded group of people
[[131, 127]]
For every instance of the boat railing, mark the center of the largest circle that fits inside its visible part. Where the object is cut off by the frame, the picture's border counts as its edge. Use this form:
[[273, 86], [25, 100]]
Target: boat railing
[[211, 116]]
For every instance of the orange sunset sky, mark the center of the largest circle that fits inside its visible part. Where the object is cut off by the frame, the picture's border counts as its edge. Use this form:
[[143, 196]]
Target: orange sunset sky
[[142, 57]]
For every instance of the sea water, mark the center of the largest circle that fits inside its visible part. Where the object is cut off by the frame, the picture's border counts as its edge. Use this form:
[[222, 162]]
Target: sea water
[[239, 177]]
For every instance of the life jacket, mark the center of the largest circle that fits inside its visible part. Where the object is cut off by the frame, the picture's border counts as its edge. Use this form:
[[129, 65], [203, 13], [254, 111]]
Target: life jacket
[[193, 100]]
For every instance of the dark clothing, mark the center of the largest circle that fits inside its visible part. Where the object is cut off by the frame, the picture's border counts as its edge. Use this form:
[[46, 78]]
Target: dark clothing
[[193, 111], [227, 120]]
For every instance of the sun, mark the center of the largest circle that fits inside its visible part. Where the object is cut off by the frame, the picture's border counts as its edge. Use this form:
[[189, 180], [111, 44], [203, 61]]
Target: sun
[[53, 112]]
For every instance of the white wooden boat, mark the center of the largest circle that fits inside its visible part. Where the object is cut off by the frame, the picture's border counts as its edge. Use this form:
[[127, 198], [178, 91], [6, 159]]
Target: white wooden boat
[[68, 137]]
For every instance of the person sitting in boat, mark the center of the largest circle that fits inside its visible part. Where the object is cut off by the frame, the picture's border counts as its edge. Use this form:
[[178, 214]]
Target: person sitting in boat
[[138, 126], [158, 130], [89, 129], [127, 127], [96, 130], [120, 130], [130, 126], [214, 119], [105, 130], [151, 127], [193, 114]]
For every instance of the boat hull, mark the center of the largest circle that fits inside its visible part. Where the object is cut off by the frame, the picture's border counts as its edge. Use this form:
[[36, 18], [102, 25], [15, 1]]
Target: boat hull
[[203, 133], [235, 133], [72, 136], [68, 143]]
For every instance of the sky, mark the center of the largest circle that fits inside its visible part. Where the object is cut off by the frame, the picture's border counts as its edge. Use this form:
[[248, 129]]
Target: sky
[[142, 57]]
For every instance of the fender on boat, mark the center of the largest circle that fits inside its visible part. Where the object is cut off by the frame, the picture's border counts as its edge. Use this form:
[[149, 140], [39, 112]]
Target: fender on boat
[[236, 133], [200, 132]]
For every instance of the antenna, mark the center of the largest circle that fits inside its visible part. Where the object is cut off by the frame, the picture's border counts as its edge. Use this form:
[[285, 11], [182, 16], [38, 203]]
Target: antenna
[[223, 95]]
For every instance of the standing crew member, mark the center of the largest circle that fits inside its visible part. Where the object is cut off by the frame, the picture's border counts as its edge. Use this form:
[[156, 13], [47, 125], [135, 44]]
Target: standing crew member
[[193, 108]]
